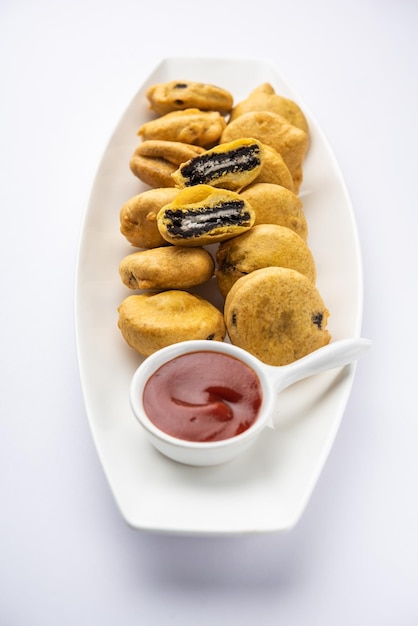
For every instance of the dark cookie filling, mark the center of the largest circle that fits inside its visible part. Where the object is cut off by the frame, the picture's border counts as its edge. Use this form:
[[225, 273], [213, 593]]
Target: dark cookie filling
[[317, 319], [210, 166], [193, 223], [179, 102]]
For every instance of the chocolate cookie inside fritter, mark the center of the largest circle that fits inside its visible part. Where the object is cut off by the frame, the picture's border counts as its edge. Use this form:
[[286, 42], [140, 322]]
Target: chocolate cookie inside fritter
[[276, 314], [172, 267], [152, 321], [264, 245]]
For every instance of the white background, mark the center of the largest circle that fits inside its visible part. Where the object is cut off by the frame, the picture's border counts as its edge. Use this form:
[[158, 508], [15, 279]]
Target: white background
[[68, 71]]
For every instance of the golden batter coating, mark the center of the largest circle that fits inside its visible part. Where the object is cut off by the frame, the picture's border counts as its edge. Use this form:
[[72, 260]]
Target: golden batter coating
[[231, 166], [274, 169], [152, 321], [275, 131], [264, 98], [200, 128], [274, 204], [138, 217], [172, 267], [276, 314], [202, 215], [264, 245], [181, 94], [154, 161]]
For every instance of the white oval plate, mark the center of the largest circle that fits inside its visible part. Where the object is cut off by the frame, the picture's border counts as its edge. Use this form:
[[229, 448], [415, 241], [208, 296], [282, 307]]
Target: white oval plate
[[268, 488]]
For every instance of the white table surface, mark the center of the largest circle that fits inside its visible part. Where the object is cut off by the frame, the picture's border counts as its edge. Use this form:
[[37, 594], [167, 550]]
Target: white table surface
[[68, 71]]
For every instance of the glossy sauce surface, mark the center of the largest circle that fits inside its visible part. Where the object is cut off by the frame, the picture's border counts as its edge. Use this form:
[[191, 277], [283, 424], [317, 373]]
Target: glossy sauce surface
[[203, 396]]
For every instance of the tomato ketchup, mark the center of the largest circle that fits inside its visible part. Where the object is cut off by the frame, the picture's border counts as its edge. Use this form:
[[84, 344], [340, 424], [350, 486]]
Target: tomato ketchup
[[203, 396]]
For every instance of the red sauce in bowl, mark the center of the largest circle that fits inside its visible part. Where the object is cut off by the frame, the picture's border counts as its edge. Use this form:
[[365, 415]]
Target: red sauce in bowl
[[203, 396]]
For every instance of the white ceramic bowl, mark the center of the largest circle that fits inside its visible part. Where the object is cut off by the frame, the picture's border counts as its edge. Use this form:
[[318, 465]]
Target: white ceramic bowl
[[272, 380], [196, 452]]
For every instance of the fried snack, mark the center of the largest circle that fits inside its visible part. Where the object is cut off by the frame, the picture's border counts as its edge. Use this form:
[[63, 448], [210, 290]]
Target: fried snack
[[178, 95], [154, 160], [172, 267], [138, 217], [152, 321], [276, 314], [200, 128], [275, 131], [202, 214], [264, 245], [231, 166], [274, 204], [264, 98], [274, 169]]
